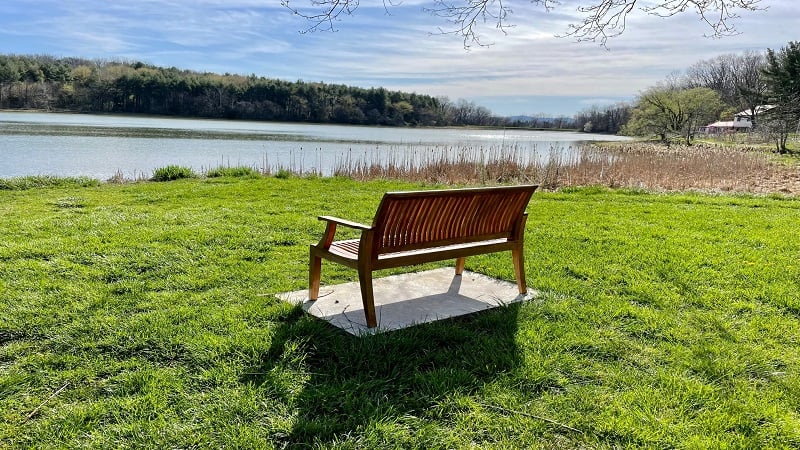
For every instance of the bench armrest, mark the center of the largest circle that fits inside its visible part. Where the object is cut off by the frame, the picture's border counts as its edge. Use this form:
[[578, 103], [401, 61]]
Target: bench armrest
[[330, 229], [347, 223]]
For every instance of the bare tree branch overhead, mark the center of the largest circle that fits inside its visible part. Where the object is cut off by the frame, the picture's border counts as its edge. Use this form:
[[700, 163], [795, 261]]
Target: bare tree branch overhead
[[599, 20], [607, 19]]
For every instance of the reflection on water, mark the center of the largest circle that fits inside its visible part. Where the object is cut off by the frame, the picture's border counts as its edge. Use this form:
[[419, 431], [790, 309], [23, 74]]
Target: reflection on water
[[101, 146]]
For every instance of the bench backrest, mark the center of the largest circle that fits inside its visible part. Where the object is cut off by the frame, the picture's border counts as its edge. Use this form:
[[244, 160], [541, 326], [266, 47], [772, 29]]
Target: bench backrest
[[420, 219]]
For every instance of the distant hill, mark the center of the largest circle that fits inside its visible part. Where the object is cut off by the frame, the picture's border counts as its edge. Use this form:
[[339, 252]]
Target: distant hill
[[524, 119], [541, 122]]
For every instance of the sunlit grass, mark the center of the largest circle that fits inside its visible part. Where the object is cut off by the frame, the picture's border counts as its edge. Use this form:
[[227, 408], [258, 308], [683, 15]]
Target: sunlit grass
[[143, 315]]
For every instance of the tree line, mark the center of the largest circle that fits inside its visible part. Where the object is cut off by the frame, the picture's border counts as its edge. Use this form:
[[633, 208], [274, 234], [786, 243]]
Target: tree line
[[99, 86]]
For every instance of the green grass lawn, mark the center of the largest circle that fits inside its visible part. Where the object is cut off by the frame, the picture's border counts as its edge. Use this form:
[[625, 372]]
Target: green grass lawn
[[144, 316]]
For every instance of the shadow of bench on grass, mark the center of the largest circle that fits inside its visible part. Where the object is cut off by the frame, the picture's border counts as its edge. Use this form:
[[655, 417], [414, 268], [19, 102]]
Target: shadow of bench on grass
[[348, 385]]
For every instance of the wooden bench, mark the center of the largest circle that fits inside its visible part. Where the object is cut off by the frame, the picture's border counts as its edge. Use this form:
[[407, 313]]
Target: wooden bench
[[424, 226]]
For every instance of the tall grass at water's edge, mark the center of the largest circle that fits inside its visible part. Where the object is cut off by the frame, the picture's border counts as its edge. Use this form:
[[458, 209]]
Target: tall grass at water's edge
[[635, 165], [45, 181], [618, 165], [143, 316]]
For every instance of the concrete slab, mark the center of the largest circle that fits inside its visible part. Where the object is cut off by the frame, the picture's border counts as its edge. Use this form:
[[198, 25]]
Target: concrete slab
[[409, 299]]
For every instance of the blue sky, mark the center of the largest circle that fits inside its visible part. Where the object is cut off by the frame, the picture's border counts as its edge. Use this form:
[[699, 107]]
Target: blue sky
[[526, 71]]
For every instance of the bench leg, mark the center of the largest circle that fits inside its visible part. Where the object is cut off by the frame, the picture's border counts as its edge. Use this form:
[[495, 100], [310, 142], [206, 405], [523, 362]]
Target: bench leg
[[314, 273], [460, 265], [367, 296], [519, 269]]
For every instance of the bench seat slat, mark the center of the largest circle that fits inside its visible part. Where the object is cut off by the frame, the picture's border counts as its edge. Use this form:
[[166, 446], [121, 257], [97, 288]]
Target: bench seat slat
[[349, 248], [345, 249]]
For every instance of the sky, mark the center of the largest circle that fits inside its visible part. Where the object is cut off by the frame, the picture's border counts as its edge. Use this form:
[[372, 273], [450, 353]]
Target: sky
[[528, 70]]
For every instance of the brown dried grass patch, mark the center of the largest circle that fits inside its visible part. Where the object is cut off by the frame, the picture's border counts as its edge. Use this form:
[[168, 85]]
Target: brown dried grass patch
[[630, 165]]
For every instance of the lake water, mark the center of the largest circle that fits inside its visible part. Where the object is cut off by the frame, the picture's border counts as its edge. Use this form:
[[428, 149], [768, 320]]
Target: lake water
[[102, 146]]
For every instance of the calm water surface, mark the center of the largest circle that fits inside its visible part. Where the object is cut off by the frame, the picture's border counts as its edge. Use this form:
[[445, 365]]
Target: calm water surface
[[100, 146]]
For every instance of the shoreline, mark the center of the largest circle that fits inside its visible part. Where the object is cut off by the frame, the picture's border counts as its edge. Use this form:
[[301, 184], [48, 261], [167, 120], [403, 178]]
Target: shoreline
[[724, 166], [615, 165]]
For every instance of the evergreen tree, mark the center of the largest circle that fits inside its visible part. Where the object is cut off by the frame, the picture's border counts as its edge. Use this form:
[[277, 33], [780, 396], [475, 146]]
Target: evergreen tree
[[782, 75]]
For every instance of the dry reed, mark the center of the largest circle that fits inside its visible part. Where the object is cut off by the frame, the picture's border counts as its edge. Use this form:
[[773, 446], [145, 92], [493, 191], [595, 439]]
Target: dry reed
[[632, 165]]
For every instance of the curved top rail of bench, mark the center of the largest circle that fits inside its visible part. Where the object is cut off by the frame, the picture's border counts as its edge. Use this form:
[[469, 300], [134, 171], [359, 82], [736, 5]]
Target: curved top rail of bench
[[419, 219]]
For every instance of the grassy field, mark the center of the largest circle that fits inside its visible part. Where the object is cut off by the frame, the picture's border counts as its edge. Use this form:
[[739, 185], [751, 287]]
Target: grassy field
[[143, 316]]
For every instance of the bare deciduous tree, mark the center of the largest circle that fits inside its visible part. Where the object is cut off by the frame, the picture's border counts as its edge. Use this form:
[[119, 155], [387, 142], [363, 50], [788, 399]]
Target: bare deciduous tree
[[737, 79], [608, 18], [601, 19]]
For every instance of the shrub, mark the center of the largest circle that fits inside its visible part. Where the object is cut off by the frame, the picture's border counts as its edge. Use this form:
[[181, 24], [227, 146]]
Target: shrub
[[283, 174], [40, 181], [241, 171], [173, 172]]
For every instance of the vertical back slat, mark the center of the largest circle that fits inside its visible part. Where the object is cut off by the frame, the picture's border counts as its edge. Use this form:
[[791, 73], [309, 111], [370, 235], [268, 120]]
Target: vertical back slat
[[407, 220]]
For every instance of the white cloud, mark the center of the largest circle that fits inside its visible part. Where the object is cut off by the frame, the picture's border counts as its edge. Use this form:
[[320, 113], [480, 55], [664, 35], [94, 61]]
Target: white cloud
[[394, 49]]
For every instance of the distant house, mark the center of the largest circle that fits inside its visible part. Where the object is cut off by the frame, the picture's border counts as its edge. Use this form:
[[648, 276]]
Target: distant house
[[739, 123], [742, 121]]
